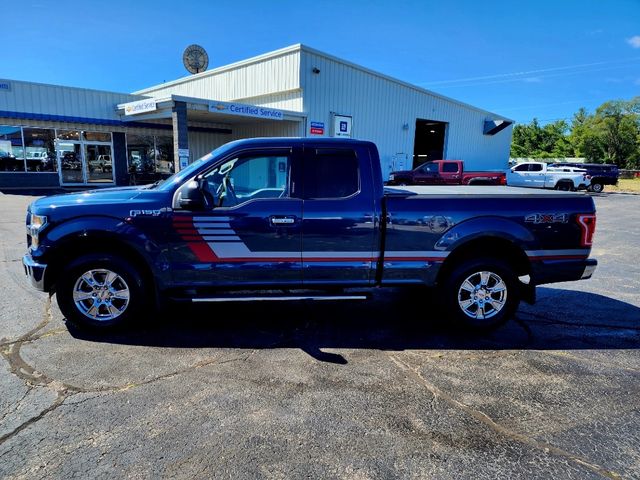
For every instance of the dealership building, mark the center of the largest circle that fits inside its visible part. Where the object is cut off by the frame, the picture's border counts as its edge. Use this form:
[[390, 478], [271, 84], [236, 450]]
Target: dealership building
[[55, 136]]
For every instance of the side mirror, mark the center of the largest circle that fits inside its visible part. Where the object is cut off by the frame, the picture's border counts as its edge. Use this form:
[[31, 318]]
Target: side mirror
[[191, 197]]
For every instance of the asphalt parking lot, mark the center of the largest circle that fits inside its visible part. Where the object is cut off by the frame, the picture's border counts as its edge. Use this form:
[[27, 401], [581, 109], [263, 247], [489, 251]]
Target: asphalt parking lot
[[362, 390]]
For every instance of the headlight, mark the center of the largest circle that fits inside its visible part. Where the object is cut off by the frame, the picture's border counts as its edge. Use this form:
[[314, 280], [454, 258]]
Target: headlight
[[36, 224]]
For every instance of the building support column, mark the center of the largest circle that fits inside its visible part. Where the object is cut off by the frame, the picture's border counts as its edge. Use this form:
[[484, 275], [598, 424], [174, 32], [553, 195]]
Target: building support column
[[119, 159], [180, 134]]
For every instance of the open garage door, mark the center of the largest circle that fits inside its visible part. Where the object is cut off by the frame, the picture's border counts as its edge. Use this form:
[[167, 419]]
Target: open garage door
[[429, 141]]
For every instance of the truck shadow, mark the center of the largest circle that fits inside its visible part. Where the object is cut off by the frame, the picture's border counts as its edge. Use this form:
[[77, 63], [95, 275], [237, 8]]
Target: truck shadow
[[393, 320]]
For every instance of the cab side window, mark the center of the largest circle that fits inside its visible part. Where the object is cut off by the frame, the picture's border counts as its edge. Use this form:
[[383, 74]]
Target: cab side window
[[246, 178], [331, 173], [535, 167], [522, 168], [430, 168]]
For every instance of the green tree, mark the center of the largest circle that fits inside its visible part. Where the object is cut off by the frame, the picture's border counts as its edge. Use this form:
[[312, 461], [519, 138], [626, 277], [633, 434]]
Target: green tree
[[611, 134], [533, 140], [616, 123]]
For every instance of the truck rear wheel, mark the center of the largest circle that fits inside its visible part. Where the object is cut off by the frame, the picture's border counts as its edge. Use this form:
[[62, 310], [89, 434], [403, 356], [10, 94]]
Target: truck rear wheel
[[596, 187], [481, 294], [100, 292], [564, 185]]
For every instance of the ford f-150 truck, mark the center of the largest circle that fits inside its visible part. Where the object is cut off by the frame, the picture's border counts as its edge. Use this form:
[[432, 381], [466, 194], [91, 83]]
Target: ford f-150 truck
[[445, 172], [309, 218]]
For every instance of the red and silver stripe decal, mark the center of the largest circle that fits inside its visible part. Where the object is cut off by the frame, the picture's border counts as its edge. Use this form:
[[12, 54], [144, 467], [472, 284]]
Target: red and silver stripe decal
[[212, 239]]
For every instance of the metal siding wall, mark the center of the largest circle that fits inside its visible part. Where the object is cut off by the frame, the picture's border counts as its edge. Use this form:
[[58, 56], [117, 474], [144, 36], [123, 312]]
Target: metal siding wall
[[265, 77], [57, 100], [274, 129], [380, 107], [201, 143], [286, 100]]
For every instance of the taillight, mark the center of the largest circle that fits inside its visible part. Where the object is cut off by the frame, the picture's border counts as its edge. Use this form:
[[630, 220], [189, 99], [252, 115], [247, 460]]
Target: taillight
[[587, 224]]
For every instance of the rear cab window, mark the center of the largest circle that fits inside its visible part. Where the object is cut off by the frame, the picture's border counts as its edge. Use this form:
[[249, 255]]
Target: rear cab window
[[450, 167], [331, 173]]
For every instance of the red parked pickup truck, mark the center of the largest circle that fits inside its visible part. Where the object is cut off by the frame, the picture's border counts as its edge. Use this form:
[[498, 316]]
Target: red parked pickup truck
[[445, 172]]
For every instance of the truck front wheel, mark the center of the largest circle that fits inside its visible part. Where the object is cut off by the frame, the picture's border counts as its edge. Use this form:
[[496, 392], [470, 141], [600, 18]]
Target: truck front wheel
[[481, 294], [100, 292]]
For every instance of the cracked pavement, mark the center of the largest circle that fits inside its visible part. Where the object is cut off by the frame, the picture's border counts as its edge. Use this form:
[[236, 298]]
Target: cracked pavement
[[382, 389]]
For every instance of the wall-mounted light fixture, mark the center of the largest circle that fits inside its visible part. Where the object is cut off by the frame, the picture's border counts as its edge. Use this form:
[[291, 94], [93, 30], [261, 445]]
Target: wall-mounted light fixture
[[405, 126], [316, 70]]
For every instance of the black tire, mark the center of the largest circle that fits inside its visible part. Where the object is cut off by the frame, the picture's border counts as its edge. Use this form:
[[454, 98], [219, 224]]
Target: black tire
[[100, 318], [596, 187], [454, 295], [564, 186], [480, 182]]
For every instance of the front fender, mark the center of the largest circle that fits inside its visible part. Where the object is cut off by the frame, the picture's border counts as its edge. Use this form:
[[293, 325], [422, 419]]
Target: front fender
[[112, 233], [483, 227]]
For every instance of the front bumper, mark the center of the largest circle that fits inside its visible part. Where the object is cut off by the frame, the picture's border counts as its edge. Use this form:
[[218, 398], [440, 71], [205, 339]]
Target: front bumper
[[35, 271], [552, 271]]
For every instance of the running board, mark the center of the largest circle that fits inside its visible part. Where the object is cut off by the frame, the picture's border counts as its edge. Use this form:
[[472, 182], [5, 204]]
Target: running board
[[280, 298]]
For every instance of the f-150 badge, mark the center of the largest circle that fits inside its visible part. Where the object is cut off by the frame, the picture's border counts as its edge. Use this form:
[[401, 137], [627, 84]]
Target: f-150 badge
[[151, 213]]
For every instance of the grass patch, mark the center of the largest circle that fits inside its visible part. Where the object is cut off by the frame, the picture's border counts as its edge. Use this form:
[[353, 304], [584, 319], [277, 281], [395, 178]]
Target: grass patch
[[625, 185]]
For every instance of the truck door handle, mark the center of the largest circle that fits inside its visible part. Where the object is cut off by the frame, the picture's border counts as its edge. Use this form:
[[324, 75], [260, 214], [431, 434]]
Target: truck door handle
[[282, 220]]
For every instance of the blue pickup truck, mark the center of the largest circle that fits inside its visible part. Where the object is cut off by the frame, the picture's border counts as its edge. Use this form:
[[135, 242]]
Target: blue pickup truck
[[291, 219]]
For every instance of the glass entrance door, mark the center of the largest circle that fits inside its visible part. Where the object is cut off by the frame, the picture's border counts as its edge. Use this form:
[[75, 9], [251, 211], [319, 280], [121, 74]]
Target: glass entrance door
[[70, 164], [99, 163], [84, 158]]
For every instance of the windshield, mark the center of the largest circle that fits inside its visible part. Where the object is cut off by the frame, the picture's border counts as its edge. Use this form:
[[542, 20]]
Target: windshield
[[179, 177]]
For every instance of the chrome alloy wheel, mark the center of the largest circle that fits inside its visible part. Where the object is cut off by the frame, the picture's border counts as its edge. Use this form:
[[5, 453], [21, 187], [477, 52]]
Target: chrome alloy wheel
[[101, 294], [482, 295]]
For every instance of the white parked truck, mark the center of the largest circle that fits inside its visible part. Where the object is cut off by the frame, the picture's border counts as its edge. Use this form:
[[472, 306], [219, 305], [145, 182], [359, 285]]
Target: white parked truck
[[541, 175]]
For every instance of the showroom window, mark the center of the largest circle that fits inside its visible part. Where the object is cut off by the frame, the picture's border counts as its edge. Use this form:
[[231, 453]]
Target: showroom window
[[96, 137], [40, 150], [11, 149], [69, 135], [150, 157], [164, 157]]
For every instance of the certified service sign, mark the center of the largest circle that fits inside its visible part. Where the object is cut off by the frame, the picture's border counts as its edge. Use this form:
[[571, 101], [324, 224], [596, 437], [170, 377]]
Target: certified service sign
[[5, 86], [246, 110], [141, 106]]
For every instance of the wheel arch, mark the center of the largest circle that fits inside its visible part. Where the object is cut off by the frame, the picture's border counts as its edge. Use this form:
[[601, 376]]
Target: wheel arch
[[487, 246], [75, 246]]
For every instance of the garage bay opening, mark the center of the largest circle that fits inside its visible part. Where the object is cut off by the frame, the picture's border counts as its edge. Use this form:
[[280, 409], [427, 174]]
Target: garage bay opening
[[429, 142]]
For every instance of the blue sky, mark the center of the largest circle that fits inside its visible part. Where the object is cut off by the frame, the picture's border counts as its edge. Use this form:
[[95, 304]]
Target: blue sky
[[522, 59]]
